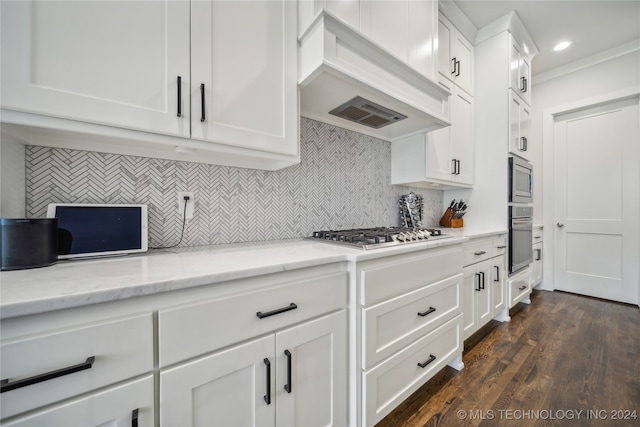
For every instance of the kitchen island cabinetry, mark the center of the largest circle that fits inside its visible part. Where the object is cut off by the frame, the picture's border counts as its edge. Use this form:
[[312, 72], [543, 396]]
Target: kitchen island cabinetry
[[409, 324], [167, 83], [484, 292]]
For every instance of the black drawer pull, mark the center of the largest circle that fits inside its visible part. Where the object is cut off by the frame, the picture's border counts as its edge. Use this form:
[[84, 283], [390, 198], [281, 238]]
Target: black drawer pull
[[267, 397], [501, 247], [290, 307], [497, 267], [179, 96], [479, 253], [482, 275], [429, 360], [424, 313], [522, 288], [287, 386], [202, 103], [134, 418], [7, 386]]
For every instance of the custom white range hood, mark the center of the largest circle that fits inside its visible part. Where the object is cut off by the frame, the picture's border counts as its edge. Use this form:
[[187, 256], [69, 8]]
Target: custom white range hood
[[339, 65]]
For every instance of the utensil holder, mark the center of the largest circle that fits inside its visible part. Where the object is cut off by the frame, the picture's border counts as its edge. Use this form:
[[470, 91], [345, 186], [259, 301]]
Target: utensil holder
[[457, 223], [449, 221]]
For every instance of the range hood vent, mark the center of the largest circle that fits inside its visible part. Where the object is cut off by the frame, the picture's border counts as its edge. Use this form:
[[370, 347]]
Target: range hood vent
[[367, 113], [338, 63]]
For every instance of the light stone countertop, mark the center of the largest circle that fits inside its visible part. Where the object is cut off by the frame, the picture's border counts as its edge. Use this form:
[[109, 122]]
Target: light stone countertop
[[82, 282]]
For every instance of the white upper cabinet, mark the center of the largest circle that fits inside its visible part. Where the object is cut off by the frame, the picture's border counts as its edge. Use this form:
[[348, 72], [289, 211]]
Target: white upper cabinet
[[345, 10], [221, 76], [112, 63], [404, 28], [243, 60], [444, 157], [520, 70], [455, 56], [519, 125]]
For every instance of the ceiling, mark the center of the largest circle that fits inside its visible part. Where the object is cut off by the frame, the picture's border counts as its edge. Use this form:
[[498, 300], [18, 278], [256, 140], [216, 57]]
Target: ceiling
[[594, 26]]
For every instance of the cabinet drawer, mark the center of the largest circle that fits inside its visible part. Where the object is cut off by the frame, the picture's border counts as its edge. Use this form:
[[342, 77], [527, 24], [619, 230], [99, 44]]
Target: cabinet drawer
[[112, 407], [519, 287], [388, 384], [121, 349], [391, 325], [192, 330], [381, 280], [481, 250]]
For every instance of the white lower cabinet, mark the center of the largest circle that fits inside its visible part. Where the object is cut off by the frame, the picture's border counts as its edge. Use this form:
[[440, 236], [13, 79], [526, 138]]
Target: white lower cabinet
[[520, 287], [125, 405], [293, 377], [484, 286], [42, 367], [410, 326]]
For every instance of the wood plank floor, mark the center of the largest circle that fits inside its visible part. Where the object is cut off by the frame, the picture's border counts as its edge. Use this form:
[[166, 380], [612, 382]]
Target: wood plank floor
[[565, 360]]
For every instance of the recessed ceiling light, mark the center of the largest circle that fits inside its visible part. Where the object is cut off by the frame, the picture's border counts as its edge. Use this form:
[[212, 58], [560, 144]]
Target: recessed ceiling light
[[561, 46]]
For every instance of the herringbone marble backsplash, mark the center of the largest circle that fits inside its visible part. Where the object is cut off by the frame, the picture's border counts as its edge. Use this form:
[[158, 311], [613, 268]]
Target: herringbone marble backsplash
[[342, 181]]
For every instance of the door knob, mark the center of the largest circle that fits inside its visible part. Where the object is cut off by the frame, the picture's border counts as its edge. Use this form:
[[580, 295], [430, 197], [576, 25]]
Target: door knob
[[560, 225]]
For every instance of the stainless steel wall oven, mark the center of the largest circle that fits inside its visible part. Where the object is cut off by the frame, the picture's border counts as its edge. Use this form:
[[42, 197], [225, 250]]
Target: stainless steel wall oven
[[520, 234]]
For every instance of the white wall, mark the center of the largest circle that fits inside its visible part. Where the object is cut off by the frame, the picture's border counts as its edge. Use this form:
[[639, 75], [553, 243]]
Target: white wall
[[608, 77]]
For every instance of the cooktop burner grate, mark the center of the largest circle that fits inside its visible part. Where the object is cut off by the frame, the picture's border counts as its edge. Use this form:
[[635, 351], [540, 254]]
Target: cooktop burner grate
[[368, 238]]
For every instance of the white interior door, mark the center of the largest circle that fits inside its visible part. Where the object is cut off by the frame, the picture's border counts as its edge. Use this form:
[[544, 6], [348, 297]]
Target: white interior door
[[597, 193]]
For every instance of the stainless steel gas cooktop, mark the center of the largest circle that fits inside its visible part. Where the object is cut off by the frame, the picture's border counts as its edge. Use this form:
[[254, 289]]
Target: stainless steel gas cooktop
[[378, 237]]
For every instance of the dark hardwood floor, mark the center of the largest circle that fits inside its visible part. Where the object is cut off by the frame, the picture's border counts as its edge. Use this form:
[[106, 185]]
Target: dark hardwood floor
[[565, 360]]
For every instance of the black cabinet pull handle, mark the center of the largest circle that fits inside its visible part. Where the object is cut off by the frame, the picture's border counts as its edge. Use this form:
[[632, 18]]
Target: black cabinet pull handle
[[526, 144], [478, 277], [202, 109], [458, 167], [538, 254], [501, 247], [454, 166], [458, 67], [290, 307], [522, 288], [454, 62], [287, 386], [134, 418], [482, 275], [267, 397], [7, 386], [425, 313], [497, 267], [479, 253], [429, 360], [179, 96]]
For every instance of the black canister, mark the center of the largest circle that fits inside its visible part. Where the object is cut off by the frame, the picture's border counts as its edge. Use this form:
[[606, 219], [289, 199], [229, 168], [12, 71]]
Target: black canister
[[28, 242]]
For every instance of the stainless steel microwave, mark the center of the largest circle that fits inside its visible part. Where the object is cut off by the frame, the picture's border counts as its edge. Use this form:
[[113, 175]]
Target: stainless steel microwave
[[520, 181]]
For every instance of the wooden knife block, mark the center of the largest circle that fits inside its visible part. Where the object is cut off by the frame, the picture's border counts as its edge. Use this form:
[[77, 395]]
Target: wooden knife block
[[449, 221]]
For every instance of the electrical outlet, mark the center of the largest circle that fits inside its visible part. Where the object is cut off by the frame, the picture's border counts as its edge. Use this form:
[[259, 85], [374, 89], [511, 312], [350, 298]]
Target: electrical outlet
[[190, 203]]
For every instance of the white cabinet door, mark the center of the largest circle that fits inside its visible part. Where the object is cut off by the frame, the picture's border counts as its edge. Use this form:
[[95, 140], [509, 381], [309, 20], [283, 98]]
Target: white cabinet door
[[536, 274], [519, 71], [115, 63], [235, 387], [469, 308], [519, 124], [463, 146], [244, 90], [311, 372], [498, 285], [483, 296], [404, 28], [120, 406], [346, 10], [455, 56]]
